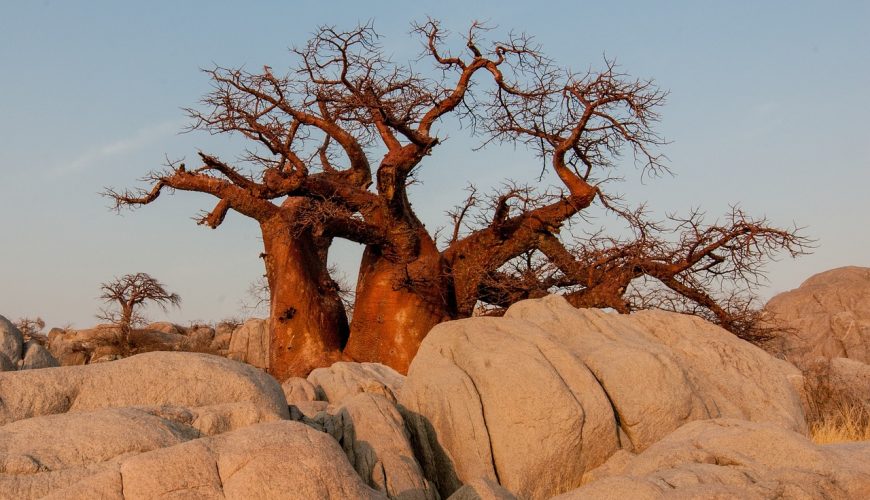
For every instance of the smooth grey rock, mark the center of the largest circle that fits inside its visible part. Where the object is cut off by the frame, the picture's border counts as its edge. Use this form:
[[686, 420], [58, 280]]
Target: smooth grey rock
[[5, 364], [11, 341], [250, 343], [270, 460], [827, 316], [150, 379], [482, 489], [373, 436], [344, 379], [730, 458], [298, 390], [36, 357], [537, 398]]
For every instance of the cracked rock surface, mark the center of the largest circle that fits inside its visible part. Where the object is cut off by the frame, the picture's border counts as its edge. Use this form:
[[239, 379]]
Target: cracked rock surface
[[827, 316], [729, 458], [249, 463], [535, 399], [75, 427]]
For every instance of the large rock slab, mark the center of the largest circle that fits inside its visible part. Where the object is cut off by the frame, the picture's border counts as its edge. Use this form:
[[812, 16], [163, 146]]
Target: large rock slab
[[36, 356], [5, 364], [43, 454], [166, 327], [250, 343], [299, 390], [827, 316], [143, 340], [77, 347], [729, 458], [344, 379], [852, 378], [11, 341], [199, 338], [150, 379], [537, 398], [272, 460], [373, 436], [836, 388], [482, 489]]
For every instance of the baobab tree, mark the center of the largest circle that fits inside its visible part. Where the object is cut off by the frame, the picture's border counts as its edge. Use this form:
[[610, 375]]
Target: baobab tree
[[128, 293], [336, 140]]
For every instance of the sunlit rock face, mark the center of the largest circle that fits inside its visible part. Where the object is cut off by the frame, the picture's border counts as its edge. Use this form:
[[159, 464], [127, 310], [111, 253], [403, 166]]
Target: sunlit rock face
[[249, 343], [150, 379], [537, 398], [730, 458], [828, 316]]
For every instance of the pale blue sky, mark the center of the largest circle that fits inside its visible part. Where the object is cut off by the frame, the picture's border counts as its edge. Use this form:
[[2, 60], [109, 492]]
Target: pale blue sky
[[768, 108]]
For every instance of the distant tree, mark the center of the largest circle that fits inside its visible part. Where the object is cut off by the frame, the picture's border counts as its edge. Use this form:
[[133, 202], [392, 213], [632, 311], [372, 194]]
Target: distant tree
[[128, 293], [31, 328], [337, 140]]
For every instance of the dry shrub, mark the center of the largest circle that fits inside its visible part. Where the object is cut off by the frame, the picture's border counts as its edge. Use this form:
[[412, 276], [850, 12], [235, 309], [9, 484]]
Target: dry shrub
[[834, 414], [31, 329], [849, 422]]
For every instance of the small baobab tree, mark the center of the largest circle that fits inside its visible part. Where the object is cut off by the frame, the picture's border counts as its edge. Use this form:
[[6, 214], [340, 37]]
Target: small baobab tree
[[127, 293]]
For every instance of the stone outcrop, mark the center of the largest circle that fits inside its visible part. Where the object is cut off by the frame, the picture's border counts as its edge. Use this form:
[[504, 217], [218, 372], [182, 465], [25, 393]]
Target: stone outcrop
[[144, 456], [150, 379], [11, 341], [36, 356], [250, 343], [16, 354], [223, 334], [852, 378], [43, 454], [221, 342], [355, 404], [199, 338], [727, 458], [299, 390], [166, 327], [482, 489], [833, 386], [154, 340], [537, 398], [343, 380], [273, 460], [72, 432], [78, 347], [185, 424], [5, 364], [373, 436], [828, 316]]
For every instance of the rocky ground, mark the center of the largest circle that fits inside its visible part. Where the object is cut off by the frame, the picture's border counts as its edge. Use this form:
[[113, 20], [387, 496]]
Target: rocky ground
[[547, 402]]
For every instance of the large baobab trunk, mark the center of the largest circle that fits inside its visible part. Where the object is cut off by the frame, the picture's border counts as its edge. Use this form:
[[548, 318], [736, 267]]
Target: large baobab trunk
[[307, 319], [397, 303]]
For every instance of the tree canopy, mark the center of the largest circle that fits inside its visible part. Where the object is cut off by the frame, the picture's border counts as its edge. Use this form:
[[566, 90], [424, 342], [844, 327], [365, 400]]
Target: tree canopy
[[129, 293], [338, 137]]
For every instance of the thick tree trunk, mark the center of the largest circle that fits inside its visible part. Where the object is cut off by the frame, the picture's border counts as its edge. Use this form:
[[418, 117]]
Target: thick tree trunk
[[307, 319], [125, 324], [397, 303]]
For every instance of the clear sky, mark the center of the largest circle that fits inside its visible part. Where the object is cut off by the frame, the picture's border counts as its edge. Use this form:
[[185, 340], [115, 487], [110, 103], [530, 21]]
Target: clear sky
[[768, 108]]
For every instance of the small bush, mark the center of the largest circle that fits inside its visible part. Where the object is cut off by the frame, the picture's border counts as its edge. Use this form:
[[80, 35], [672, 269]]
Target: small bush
[[834, 415], [850, 422]]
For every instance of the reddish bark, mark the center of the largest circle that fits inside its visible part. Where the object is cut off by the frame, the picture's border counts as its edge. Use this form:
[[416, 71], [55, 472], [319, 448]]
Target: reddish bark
[[307, 318], [397, 303]]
